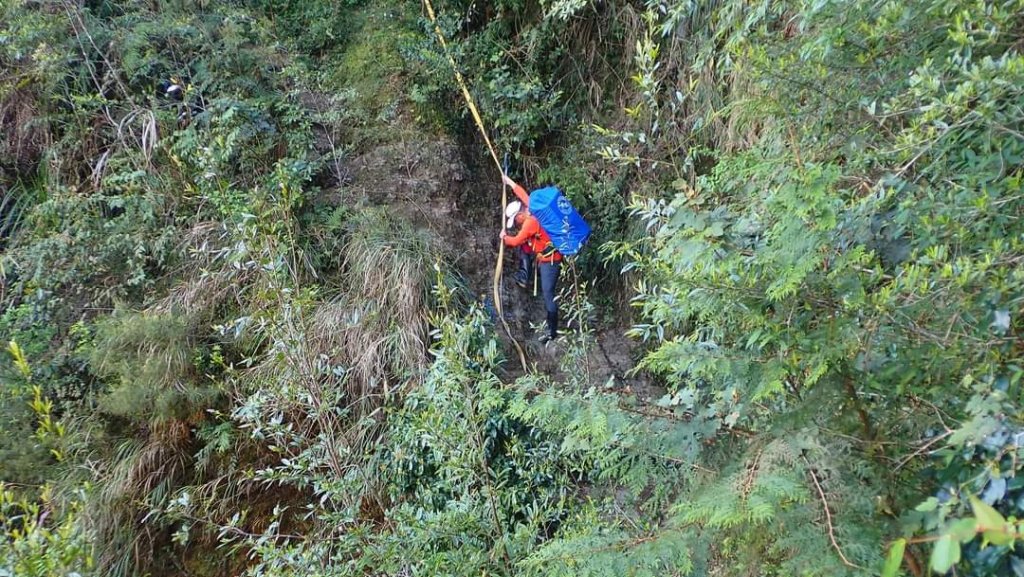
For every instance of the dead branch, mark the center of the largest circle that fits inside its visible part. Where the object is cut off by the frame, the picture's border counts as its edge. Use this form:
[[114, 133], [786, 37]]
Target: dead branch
[[828, 519]]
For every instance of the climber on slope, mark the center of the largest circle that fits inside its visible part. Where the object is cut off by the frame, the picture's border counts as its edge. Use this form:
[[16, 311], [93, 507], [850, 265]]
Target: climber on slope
[[522, 275], [534, 245]]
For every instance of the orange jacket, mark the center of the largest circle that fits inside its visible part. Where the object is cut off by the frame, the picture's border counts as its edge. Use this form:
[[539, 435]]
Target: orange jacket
[[532, 234]]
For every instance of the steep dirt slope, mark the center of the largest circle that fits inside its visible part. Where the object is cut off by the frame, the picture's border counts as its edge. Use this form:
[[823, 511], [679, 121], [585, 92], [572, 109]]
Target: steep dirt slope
[[449, 189]]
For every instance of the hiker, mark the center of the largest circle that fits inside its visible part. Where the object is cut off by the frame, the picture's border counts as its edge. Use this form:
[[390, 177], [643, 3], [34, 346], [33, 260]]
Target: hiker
[[522, 275], [175, 93], [535, 245]]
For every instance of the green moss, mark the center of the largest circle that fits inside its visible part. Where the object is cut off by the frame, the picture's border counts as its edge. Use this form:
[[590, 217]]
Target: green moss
[[370, 65]]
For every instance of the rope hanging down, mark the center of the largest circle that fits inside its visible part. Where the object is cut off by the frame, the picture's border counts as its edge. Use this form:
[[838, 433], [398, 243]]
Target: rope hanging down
[[504, 188]]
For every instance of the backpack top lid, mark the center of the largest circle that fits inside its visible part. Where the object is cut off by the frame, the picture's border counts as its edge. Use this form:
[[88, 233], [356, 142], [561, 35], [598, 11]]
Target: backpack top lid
[[558, 218]]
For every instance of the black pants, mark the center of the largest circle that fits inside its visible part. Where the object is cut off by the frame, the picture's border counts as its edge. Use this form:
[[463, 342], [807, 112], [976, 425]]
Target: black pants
[[549, 287], [522, 276], [548, 272]]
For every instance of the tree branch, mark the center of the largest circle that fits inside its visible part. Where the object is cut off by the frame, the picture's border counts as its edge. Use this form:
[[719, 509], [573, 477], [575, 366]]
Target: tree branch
[[828, 519]]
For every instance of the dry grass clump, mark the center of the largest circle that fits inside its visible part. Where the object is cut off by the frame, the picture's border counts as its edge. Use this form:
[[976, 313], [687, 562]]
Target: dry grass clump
[[15, 202], [138, 483], [24, 132], [376, 326], [329, 365], [389, 271], [208, 278]]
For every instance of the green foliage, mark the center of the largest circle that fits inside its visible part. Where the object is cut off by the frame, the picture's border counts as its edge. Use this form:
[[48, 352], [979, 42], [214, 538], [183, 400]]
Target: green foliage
[[105, 246], [371, 67], [312, 26], [27, 324], [468, 481], [25, 461], [531, 72], [472, 488], [633, 464], [844, 245], [149, 205], [52, 382], [31, 546], [972, 516], [35, 544], [149, 361], [237, 141]]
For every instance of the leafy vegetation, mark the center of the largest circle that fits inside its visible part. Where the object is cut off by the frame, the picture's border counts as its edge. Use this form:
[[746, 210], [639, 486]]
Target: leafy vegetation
[[232, 349]]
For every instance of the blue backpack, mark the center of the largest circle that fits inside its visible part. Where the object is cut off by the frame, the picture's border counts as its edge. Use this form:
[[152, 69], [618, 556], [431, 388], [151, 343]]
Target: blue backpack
[[558, 218]]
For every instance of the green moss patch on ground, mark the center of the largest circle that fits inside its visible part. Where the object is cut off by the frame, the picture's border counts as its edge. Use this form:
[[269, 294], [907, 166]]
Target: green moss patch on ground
[[370, 66]]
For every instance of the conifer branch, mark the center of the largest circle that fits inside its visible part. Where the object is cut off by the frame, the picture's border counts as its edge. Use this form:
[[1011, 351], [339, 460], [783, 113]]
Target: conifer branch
[[828, 518], [620, 547]]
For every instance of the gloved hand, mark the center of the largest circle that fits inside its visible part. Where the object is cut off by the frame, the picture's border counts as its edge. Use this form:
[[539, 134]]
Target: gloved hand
[[508, 181]]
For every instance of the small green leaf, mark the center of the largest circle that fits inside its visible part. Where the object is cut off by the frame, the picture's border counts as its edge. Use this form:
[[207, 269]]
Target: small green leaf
[[963, 530], [19, 359], [991, 523], [996, 537], [930, 504], [895, 558], [988, 518], [945, 554]]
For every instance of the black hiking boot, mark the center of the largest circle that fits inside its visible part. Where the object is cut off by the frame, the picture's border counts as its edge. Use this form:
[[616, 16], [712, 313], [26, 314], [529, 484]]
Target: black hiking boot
[[520, 278], [552, 333]]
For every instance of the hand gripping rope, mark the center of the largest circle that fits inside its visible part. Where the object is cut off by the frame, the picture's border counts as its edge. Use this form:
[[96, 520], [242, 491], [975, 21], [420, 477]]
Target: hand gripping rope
[[504, 188]]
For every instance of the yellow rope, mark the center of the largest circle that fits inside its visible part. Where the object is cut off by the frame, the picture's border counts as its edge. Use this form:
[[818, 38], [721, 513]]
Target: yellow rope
[[504, 189]]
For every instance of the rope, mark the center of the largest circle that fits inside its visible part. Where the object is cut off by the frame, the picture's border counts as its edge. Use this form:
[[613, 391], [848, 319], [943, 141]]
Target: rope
[[504, 188]]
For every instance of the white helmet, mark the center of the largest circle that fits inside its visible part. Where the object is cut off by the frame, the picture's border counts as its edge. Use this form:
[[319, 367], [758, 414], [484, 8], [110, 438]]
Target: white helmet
[[511, 211]]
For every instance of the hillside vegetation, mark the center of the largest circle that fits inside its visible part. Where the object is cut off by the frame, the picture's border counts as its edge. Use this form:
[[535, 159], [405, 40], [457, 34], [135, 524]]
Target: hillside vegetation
[[245, 283]]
